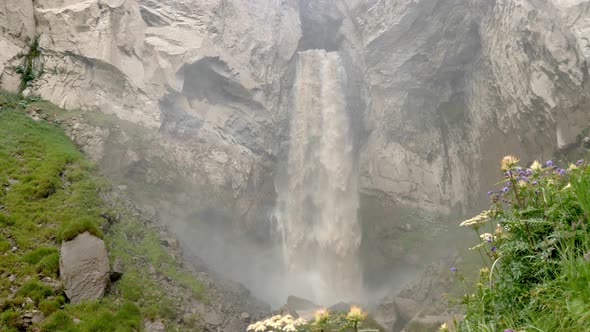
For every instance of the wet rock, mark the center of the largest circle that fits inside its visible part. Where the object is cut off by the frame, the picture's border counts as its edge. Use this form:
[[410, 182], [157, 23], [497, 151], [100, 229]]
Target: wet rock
[[155, 326], [340, 306], [84, 267], [117, 270], [245, 317]]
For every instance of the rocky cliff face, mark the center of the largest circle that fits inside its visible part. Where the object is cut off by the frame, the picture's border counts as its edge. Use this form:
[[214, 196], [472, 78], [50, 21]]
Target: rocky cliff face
[[197, 95]]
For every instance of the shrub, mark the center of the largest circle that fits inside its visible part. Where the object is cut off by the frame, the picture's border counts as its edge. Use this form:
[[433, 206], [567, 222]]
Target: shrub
[[35, 289], [533, 242]]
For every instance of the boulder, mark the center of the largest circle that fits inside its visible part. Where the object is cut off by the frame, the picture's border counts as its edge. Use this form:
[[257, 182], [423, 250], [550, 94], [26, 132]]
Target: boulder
[[156, 326], [84, 267]]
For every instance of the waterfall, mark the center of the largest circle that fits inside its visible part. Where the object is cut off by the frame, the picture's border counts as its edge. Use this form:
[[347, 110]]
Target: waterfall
[[317, 212]]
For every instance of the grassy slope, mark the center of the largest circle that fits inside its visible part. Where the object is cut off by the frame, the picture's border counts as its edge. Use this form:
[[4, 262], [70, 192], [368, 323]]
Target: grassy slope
[[49, 193]]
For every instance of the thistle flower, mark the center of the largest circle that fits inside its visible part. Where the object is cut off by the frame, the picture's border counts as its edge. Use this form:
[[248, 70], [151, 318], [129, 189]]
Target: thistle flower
[[536, 166], [508, 162], [321, 316], [356, 314], [477, 221]]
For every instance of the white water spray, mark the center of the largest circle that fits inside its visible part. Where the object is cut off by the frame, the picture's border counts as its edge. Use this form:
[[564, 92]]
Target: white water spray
[[317, 212]]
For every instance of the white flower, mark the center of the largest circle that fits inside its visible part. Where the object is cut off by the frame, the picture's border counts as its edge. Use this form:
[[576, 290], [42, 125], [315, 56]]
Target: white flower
[[487, 237], [300, 321], [290, 328], [477, 221]]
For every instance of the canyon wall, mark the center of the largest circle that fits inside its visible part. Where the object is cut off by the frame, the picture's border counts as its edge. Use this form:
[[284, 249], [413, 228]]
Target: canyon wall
[[187, 102]]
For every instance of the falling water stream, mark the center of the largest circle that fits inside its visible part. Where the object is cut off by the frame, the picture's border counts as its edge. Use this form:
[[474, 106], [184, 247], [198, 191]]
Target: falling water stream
[[317, 211]]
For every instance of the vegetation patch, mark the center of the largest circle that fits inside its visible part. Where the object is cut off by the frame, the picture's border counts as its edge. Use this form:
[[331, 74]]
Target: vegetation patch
[[49, 193], [534, 244]]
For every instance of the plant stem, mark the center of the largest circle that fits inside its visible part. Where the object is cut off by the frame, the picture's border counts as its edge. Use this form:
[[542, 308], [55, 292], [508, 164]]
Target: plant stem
[[520, 207]]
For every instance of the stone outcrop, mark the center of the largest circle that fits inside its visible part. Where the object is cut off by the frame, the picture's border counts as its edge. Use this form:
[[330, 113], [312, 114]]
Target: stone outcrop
[[188, 100], [84, 267]]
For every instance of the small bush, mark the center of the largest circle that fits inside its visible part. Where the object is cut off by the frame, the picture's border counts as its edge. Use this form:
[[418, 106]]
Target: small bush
[[71, 229], [35, 256], [35, 289], [9, 318], [49, 306], [49, 265], [58, 321]]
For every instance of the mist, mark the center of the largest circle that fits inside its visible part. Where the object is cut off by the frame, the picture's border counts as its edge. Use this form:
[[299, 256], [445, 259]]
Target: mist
[[322, 149]]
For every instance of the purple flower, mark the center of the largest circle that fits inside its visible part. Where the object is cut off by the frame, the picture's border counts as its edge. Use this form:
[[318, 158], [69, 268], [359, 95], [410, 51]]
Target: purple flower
[[549, 163], [453, 269], [535, 182], [524, 178], [529, 172], [580, 162], [489, 193], [493, 248], [505, 189], [508, 330], [561, 171]]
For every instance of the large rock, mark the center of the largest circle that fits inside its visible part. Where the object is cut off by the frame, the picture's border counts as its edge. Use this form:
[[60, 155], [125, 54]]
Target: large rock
[[84, 267]]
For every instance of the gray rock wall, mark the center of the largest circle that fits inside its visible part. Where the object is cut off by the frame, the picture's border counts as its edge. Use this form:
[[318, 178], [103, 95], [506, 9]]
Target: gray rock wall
[[196, 94]]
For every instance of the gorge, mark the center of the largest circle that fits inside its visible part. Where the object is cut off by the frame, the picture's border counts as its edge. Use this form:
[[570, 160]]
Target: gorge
[[323, 149]]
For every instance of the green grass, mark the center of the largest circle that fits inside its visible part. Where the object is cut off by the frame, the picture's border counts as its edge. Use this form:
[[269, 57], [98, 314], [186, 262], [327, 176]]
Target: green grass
[[49, 193], [537, 276]]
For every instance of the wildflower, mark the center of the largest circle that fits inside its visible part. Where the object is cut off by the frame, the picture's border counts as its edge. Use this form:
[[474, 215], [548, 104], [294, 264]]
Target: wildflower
[[535, 183], [549, 163], [508, 162], [321, 316], [528, 172], [300, 321], [505, 189], [356, 314], [572, 167], [477, 221], [561, 171], [489, 193], [493, 248], [536, 166], [290, 328], [498, 230], [579, 162], [522, 183], [453, 269], [477, 246], [487, 237]]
